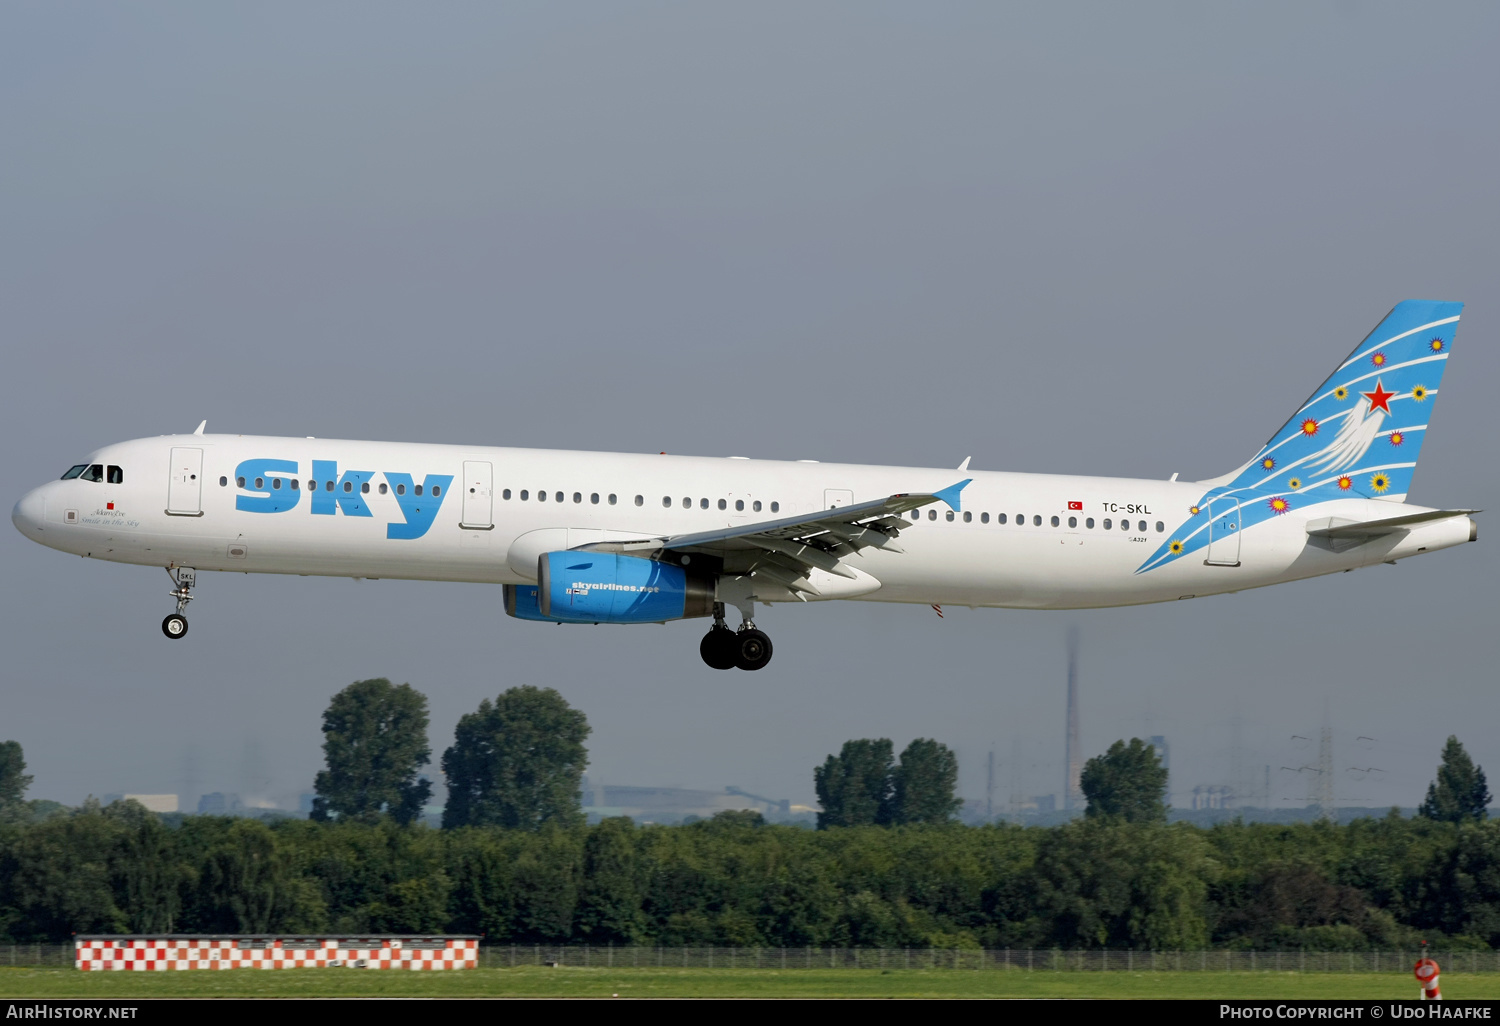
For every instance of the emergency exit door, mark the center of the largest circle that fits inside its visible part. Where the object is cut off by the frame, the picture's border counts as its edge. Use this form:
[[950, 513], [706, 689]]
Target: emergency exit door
[[837, 497], [185, 485], [478, 497]]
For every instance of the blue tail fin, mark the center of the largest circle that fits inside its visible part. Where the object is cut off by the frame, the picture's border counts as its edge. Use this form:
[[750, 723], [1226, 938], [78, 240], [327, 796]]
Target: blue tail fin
[[1360, 433], [1357, 436]]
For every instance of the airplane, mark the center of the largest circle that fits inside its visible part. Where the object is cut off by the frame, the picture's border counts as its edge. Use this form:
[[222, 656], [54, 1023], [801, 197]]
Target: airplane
[[618, 538]]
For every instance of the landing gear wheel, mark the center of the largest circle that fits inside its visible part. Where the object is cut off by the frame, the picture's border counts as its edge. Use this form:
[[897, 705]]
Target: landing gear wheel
[[752, 649], [174, 626], [718, 648]]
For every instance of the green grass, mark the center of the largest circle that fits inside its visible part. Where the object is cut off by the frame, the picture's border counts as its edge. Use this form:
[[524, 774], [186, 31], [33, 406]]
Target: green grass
[[534, 981]]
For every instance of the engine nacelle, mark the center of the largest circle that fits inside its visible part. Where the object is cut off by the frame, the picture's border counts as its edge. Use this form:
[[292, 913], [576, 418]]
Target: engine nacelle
[[605, 587]]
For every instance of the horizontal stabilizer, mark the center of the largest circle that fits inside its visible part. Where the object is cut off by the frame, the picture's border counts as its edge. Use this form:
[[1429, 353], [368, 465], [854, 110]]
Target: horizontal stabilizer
[[1336, 527]]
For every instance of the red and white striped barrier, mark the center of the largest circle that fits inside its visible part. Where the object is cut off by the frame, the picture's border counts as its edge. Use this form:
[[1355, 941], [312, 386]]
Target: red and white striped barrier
[[111, 952]]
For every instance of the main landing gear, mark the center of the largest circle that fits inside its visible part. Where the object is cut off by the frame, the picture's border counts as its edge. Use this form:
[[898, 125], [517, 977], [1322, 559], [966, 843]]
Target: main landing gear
[[183, 579], [723, 649]]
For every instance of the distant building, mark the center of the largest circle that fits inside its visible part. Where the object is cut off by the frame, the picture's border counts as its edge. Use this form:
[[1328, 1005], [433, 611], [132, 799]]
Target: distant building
[[1042, 803], [219, 804], [1208, 796], [152, 802], [674, 804]]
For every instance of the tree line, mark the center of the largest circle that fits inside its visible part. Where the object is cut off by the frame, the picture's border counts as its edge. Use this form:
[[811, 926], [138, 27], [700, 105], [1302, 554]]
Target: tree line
[[734, 880], [888, 866]]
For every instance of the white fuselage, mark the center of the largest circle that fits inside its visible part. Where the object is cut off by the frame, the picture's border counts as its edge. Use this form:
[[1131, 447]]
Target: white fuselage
[[1033, 560]]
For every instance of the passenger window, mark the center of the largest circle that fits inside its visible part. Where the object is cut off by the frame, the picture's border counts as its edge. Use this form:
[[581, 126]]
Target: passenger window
[[364, 488], [1160, 527], [1089, 523], [950, 516], [703, 504], [349, 487], [984, 518], [382, 487], [1056, 522], [115, 475], [541, 496], [260, 484], [687, 503], [240, 481], [297, 485], [1036, 521], [524, 493], [224, 482], [755, 505], [558, 496], [593, 498], [1001, 518], [739, 504], [1124, 525], [436, 489], [968, 518], [1141, 527], [1108, 523], [276, 483], [74, 471], [1020, 519], [1072, 521], [578, 497], [723, 504], [916, 514], [328, 486], [640, 500], [932, 514], [401, 490], [612, 498], [504, 495], [775, 507]]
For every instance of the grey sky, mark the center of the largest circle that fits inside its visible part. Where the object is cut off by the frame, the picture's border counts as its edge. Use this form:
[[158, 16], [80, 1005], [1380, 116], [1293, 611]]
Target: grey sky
[[1112, 239]]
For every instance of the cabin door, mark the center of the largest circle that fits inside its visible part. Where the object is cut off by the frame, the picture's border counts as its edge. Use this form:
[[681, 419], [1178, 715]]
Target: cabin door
[[185, 486], [1223, 533], [478, 497]]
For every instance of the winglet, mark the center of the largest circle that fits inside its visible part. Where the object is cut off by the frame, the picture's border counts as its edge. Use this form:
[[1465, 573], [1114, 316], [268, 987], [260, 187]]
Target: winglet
[[965, 464], [950, 494], [200, 428]]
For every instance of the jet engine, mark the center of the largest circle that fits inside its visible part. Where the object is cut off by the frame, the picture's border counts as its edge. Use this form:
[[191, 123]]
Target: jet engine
[[605, 587]]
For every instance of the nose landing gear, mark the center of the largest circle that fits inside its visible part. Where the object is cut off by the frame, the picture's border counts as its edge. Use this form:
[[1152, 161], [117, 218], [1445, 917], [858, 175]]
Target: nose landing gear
[[724, 649], [183, 579]]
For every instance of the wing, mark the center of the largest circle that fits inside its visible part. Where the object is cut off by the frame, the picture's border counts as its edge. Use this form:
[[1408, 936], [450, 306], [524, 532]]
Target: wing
[[788, 550]]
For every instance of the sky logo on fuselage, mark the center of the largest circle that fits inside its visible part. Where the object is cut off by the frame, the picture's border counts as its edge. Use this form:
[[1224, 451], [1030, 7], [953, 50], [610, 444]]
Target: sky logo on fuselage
[[274, 486]]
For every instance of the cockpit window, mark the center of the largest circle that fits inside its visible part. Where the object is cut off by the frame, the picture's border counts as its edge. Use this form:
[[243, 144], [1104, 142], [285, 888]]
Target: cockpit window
[[75, 471], [95, 472], [114, 475]]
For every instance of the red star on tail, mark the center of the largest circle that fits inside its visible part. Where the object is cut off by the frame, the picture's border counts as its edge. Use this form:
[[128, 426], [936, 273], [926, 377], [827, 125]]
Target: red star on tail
[[1380, 399]]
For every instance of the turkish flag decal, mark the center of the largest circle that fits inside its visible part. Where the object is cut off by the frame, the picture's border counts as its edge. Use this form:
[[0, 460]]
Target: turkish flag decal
[[1075, 505], [109, 505]]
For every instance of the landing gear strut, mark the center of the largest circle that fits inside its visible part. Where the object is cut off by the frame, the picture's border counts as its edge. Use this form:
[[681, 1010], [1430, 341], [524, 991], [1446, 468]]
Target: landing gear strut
[[723, 649], [183, 579]]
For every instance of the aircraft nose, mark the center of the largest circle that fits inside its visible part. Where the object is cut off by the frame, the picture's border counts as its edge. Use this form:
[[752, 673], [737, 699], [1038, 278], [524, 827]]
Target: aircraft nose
[[30, 513]]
